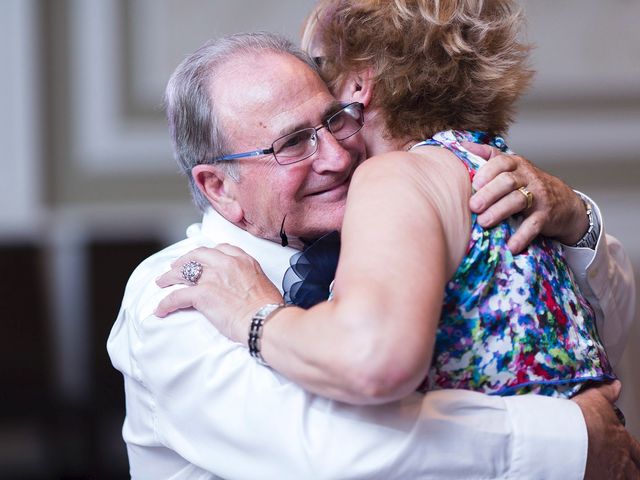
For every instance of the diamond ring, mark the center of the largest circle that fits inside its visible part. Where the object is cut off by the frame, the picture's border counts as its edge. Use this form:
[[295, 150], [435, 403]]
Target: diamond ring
[[192, 271]]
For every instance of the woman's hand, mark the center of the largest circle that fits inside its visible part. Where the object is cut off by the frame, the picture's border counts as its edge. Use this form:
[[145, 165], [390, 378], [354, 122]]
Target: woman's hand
[[229, 292], [557, 211]]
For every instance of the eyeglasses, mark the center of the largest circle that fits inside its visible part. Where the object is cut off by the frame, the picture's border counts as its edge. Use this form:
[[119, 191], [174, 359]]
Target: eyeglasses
[[295, 147]]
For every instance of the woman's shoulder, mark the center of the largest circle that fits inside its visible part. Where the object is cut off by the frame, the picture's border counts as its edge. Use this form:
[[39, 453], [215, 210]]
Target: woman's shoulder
[[425, 165], [428, 174], [431, 182], [425, 158]]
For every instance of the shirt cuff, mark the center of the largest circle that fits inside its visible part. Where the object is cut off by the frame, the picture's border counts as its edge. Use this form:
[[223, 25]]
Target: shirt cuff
[[580, 258], [597, 260], [549, 438], [590, 266], [591, 270]]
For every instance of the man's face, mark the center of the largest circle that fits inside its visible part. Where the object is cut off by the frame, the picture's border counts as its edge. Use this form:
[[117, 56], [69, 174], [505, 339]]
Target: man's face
[[260, 98]]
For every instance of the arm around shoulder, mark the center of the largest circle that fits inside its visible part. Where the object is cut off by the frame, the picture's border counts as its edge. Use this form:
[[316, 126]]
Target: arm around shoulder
[[373, 342], [192, 391]]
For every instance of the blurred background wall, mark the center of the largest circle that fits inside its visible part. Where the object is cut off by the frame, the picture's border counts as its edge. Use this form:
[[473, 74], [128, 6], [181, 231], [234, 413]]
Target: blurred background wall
[[88, 187]]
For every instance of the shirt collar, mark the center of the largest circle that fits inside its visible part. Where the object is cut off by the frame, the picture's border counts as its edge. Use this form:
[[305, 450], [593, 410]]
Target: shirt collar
[[273, 258]]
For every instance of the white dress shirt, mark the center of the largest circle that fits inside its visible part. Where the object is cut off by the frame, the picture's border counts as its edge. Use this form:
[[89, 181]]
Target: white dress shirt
[[605, 277], [199, 407]]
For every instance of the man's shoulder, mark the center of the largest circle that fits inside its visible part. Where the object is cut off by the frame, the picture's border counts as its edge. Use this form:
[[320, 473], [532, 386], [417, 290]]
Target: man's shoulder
[[142, 293]]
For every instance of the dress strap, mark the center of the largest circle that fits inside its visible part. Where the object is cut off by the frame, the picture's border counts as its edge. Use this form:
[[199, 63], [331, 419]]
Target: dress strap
[[452, 140]]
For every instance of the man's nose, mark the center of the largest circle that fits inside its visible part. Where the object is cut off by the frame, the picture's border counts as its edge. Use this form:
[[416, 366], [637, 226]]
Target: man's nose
[[331, 156]]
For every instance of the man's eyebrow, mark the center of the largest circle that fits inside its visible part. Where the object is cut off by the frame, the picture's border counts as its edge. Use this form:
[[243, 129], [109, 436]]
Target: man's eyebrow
[[332, 108]]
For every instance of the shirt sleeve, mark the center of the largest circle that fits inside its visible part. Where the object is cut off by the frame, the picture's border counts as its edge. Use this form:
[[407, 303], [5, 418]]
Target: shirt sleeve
[[605, 276], [210, 402]]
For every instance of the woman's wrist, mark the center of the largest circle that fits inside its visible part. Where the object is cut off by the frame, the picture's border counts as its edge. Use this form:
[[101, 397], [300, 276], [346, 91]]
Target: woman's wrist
[[258, 320], [240, 322]]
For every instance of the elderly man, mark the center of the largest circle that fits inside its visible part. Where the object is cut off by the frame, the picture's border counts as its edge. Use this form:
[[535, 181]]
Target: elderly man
[[199, 407]]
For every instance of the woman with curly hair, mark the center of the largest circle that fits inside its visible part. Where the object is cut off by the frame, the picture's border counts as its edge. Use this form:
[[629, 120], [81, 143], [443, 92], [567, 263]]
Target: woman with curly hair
[[423, 296]]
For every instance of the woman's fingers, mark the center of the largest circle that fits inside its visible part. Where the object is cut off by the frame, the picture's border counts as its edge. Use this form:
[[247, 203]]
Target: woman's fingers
[[230, 288], [231, 250], [210, 259], [172, 277], [203, 255], [176, 300]]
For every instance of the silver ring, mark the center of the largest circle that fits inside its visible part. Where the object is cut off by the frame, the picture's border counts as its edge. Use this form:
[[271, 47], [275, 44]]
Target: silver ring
[[192, 271], [527, 195]]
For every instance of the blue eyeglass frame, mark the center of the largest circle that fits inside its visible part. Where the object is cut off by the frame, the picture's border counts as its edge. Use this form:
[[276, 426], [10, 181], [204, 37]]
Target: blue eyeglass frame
[[270, 150]]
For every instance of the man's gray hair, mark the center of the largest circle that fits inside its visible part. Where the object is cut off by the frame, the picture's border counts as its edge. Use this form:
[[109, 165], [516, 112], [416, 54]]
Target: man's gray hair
[[195, 129]]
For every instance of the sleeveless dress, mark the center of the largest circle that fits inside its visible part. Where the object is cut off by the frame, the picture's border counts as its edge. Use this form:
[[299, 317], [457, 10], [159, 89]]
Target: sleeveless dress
[[512, 324], [509, 324]]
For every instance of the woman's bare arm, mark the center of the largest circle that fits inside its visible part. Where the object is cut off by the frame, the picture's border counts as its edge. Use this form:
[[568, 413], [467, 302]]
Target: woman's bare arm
[[405, 231]]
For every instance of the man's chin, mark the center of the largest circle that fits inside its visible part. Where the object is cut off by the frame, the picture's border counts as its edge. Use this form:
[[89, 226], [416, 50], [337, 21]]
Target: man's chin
[[326, 227], [317, 227]]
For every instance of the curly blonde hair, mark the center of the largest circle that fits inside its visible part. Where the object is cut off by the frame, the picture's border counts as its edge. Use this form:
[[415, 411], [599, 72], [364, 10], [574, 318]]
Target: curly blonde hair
[[437, 64]]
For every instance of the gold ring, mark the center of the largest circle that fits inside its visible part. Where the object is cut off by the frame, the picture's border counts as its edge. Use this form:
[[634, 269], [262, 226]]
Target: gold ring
[[528, 195]]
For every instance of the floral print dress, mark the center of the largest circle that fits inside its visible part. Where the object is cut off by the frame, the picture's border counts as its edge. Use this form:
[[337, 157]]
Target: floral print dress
[[512, 323]]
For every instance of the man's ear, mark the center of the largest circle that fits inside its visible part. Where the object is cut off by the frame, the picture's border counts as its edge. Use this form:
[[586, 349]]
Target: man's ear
[[220, 190], [358, 87]]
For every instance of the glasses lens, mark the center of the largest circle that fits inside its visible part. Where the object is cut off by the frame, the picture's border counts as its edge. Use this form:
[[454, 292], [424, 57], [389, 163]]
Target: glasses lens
[[346, 122], [295, 146]]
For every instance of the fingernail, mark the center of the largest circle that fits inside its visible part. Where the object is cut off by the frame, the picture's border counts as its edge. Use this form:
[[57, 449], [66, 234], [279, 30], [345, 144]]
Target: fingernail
[[513, 247], [476, 204], [484, 220]]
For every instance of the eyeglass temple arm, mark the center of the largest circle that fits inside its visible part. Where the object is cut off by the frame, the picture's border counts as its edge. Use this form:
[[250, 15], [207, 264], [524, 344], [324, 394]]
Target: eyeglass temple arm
[[234, 156]]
